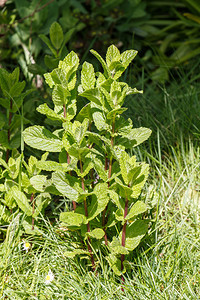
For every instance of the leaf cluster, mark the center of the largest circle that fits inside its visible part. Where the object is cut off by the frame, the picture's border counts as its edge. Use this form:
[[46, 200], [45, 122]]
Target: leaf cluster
[[94, 171], [23, 191]]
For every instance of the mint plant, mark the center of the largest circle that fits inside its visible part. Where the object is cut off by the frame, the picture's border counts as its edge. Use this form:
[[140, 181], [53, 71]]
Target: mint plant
[[94, 171], [56, 43], [11, 117], [23, 191]]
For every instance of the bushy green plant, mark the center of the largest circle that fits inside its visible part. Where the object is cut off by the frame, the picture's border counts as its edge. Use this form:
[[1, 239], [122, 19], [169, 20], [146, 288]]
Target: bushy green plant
[[11, 103], [23, 192], [94, 171]]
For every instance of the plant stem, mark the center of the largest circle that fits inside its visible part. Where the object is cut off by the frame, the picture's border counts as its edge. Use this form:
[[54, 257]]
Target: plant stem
[[9, 122], [88, 224], [109, 176], [64, 110], [68, 157], [34, 12], [92, 177], [124, 237], [68, 161]]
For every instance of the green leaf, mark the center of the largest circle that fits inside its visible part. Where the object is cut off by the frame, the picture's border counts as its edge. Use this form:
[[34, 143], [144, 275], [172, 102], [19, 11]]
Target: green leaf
[[102, 61], [96, 233], [99, 202], [41, 202], [40, 138], [69, 65], [100, 80], [4, 81], [45, 110], [56, 35], [45, 39], [127, 166], [14, 167], [4, 139], [107, 97], [116, 111], [87, 166], [117, 248], [36, 69], [2, 188], [100, 168], [85, 112], [100, 120], [9, 199], [3, 163], [123, 166], [51, 62], [116, 69], [38, 182], [112, 54], [4, 214], [115, 199], [115, 264], [32, 161], [67, 185], [93, 95], [72, 254], [60, 97], [134, 137], [138, 208], [59, 77], [28, 227], [66, 38], [139, 176], [53, 166], [80, 131], [5, 102], [73, 219], [134, 233], [78, 152], [17, 89], [87, 76], [127, 57], [14, 76], [49, 79], [22, 201], [124, 190], [119, 215]]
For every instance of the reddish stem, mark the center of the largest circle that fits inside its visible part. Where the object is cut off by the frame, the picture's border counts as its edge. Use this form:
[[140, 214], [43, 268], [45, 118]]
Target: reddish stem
[[106, 163], [68, 158]]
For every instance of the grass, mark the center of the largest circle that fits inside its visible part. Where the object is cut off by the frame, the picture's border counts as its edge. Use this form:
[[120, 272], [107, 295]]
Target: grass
[[166, 265]]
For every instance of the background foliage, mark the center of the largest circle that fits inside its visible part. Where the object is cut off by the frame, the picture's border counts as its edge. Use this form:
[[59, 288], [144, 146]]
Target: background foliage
[[166, 33]]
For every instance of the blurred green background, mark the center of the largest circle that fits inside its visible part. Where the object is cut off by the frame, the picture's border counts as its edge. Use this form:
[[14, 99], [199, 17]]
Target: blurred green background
[[166, 33]]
